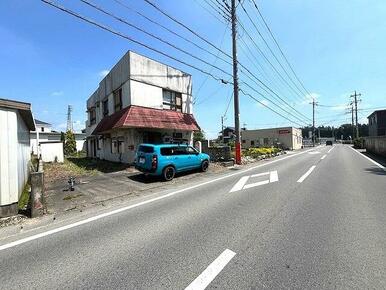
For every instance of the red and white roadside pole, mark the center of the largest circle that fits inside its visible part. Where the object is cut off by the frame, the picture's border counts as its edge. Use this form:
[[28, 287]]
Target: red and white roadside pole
[[235, 84]]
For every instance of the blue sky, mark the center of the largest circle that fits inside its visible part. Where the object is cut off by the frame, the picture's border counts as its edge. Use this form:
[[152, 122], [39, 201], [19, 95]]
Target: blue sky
[[51, 59]]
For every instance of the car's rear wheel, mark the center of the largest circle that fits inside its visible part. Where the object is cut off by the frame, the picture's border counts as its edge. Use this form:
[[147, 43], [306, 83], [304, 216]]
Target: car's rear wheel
[[204, 165], [169, 172]]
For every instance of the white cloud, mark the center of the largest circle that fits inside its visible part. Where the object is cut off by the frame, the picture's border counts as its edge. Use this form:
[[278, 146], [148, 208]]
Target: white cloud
[[103, 73], [57, 93], [340, 107]]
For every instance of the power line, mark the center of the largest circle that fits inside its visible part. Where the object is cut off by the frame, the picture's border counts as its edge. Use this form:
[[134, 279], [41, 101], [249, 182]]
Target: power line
[[269, 48], [106, 28], [171, 31], [209, 11], [268, 61], [261, 103], [186, 27], [278, 46], [152, 35], [202, 38]]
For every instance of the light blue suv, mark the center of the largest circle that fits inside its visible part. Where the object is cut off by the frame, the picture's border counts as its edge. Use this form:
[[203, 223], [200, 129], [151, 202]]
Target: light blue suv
[[168, 159]]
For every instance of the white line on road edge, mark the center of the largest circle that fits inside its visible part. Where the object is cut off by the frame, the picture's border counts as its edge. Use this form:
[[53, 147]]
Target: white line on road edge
[[116, 211], [368, 158], [330, 149], [301, 179], [202, 281], [324, 156]]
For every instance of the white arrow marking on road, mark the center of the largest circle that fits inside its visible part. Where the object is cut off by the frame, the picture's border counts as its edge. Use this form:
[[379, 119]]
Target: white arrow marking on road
[[202, 281], [241, 184]]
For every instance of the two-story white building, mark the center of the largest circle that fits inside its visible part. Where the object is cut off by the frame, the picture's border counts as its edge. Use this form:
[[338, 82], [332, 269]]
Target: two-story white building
[[139, 101]]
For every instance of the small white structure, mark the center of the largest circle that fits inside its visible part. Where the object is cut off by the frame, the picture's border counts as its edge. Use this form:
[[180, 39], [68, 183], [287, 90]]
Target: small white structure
[[16, 121], [45, 134], [52, 151]]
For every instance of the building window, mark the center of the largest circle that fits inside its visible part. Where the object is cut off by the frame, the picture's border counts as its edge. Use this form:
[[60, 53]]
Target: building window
[[252, 143], [117, 100], [243, 141], [92, 116], [42, 128], [117, 145], [172, 100], [105, 107]]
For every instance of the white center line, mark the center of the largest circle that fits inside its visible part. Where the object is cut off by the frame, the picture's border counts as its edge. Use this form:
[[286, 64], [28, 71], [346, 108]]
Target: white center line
[[301, 179], [202, 281], [330, 149], [324, 156]]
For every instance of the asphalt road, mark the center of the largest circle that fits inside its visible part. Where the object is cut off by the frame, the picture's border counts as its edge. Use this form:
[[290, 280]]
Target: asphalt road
[[314, 220]]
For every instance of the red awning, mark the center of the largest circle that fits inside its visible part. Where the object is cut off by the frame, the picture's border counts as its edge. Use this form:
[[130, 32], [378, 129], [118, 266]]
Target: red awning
[[141, 117]]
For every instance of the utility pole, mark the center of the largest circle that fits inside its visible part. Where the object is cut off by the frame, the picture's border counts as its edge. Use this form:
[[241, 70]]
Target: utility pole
[[313, 121], [352, 120], [355, 95], [235, 84], [222, 128]]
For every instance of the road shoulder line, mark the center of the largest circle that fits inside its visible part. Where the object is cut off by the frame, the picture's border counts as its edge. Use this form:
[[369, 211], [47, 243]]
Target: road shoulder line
[[368, 158]]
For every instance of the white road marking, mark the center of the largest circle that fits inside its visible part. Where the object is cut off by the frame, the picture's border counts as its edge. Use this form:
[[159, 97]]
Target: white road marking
[[256, 184], [202, 281], [330, 149], [260, 174], [324, 156], [314, 152], [126, 208], [273, 176], [368, 158], [301, 179], [240, 184]]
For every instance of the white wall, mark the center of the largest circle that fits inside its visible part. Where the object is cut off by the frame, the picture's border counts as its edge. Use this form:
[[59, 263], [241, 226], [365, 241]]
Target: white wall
[[52, 151], [44, 137], [14, 156]]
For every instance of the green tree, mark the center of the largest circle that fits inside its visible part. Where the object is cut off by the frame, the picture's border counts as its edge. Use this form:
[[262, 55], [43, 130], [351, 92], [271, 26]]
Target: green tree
[[198, 136], [70, 143]]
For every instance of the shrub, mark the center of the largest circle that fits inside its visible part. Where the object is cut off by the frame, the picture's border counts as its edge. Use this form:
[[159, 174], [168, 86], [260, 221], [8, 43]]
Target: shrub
[[359, 143], [256, 152], [70, 144]]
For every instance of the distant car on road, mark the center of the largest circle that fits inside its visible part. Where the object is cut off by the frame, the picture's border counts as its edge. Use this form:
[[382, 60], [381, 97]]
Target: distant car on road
[[168, 159], [328, 142]]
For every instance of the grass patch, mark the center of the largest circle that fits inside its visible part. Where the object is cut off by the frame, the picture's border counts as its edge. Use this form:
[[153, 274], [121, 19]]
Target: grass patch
[[24, 198], [78, 167], [72, 196]]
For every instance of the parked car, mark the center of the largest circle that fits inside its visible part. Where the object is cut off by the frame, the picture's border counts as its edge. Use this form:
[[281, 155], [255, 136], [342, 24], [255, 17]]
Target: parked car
[[328, 142], [168, 159]]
